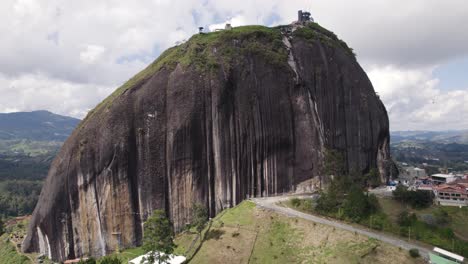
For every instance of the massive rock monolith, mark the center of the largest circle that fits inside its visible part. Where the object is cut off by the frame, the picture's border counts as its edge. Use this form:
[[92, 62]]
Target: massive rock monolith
[[225, 116]]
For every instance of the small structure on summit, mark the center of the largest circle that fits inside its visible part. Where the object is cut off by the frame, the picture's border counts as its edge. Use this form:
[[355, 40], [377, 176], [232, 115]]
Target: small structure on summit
[[226, 27], [304, 17], [200, 30]]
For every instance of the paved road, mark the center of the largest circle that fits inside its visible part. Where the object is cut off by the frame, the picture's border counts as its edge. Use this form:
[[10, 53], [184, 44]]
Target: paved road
[[271, 203]]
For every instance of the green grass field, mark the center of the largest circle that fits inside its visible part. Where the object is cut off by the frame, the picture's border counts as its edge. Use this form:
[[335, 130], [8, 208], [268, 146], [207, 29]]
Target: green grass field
[[458, 217], [247, 234], [450, 234], [8, 253]]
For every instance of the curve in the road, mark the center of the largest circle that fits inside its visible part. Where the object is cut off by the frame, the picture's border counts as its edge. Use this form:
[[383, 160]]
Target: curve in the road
[[271, 203]]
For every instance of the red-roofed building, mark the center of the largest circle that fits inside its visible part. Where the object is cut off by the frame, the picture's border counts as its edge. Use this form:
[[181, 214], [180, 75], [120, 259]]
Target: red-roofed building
[[452, 194]]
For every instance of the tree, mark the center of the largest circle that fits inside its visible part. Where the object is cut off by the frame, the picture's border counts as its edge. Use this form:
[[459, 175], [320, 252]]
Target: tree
[[355, 206], [373, 178], [158, 237], [417, 199], [400, 193], [334, 163], [406, 219], [373, 205], [200, 216], [110, 260], [441, 216], [327, 202]]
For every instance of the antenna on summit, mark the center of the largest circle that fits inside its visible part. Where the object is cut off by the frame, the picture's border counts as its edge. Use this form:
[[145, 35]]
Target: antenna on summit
[[304, 17]]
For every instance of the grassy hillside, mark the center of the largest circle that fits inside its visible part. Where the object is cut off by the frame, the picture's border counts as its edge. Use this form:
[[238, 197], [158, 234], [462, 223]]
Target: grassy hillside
[[247, 234], [13, 234], [8, 253], [457, 218], [439, 226]]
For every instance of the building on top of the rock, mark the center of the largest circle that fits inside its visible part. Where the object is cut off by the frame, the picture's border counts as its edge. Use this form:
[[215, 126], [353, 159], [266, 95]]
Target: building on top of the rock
[[304, 17]]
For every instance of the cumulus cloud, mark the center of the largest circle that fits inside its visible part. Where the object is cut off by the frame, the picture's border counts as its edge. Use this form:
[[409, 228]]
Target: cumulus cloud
[[414, 101], [37, 91], [91, 54], [236, 21], [52, 49]]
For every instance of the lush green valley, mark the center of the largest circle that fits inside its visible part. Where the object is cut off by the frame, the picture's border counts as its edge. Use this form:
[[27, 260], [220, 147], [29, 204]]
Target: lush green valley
[[431, 149], [29, 142]]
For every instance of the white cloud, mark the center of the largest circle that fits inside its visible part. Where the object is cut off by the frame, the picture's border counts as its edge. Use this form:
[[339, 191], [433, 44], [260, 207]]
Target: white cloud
[[37, 91], [236, 21], [414, 101], [91, 54]]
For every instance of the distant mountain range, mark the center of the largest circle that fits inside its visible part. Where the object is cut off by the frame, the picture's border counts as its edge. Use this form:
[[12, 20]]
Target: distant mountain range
[[36, 125], [431, 149], [450, 136], [29, 141]]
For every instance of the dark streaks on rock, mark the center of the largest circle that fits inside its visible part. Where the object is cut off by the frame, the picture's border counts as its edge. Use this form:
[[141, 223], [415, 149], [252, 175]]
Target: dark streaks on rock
[[223, 117]]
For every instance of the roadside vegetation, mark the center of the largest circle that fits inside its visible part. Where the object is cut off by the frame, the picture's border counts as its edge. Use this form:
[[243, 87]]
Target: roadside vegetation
[[409, 214], [247, 234]]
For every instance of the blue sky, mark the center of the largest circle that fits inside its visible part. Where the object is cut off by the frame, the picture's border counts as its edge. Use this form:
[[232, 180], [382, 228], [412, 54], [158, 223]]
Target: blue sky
[[67, 56], [453, 74]]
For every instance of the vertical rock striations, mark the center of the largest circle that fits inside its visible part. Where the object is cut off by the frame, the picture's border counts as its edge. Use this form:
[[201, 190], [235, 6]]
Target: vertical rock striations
[[225, 116]]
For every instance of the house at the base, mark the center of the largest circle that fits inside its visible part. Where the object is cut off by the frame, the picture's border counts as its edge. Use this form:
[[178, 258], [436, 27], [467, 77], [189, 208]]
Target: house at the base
[[452, 194], [415, 172], [172, 259], [441, 178], [441, 256]]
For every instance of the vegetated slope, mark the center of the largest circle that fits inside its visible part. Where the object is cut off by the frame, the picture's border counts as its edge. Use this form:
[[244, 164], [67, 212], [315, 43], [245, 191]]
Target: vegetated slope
[[224, 116], [247, 234], [8, 253]]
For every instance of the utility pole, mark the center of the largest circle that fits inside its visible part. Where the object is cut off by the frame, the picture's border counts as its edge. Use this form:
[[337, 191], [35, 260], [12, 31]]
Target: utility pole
[[371, 222], [409, 234]]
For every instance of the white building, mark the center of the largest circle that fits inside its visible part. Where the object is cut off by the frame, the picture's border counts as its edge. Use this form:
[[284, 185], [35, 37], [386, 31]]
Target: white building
[[441, 178], [172, 260]]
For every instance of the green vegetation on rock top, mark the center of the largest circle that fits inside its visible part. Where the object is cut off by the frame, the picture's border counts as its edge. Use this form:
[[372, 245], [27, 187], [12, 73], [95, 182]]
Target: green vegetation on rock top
[[224, 49], [313, 31], [208, 51]]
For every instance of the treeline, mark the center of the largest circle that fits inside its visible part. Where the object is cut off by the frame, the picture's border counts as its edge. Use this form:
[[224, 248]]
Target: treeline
[[18, 197], [417, 199], [345, 197], [23, 167]]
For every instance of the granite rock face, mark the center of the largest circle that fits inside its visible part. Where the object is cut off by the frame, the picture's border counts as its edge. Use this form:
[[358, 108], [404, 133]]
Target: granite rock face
[[220, 118]]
